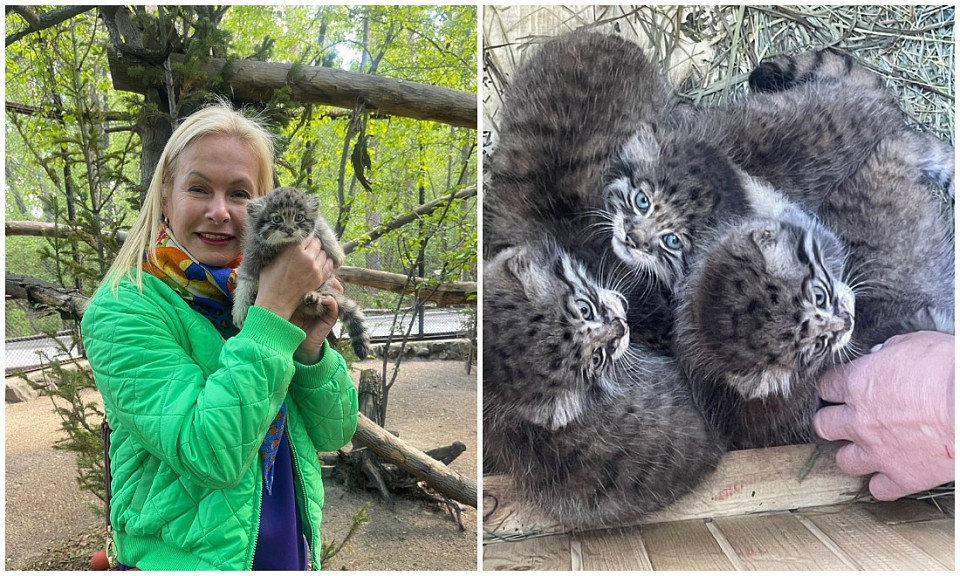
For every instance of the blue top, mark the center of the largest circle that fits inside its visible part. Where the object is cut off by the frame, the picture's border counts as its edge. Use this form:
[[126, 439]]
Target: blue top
[[280, 543]]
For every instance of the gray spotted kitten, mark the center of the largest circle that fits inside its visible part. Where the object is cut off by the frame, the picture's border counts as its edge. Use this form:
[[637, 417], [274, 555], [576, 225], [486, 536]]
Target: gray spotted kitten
[[567, 110], [669, 186], [774, 300], [763, 312], [276, 220], [595, 431]]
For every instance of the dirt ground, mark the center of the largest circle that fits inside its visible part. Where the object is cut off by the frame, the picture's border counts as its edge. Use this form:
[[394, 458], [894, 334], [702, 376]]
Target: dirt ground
[[49, 523]]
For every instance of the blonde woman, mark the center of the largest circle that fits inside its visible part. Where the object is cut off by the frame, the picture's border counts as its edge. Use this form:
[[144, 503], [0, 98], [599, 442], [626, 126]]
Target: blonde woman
[[215, 430]]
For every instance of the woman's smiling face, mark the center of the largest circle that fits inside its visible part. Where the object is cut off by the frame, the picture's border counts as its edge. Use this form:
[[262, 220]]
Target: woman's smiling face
[[205, 204]]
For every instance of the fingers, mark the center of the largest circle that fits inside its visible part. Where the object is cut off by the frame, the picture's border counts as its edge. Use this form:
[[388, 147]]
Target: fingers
[[884, 488], [833, 384], [833, 423], [854, 461], [334, 285]]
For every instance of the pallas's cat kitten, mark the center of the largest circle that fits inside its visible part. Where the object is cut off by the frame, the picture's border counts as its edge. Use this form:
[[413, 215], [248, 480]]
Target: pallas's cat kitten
[[594, 431], [810, 129], [565, 112], [764, 311], [276, 220], [774, 301]]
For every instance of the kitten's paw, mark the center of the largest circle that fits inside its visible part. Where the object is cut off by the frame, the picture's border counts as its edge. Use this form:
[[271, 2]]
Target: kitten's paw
[[311, 301], [239, 316]]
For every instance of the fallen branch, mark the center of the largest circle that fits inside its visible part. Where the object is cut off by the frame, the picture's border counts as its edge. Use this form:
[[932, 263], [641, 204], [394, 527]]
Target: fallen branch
[[46, 298], [391, 449]]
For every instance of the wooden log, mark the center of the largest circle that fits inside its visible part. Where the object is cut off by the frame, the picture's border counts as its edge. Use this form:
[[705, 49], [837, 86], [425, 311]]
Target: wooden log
[[390, 448], [255, 81], [745, 482], [449, 294], [44, 297]]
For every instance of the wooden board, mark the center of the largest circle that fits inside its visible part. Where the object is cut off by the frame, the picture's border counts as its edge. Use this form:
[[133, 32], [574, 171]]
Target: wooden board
[[550, 553], [867, 543], [684, 545], [935, 537], [778, 542], [839, 537], [611, 550], [745, 482]]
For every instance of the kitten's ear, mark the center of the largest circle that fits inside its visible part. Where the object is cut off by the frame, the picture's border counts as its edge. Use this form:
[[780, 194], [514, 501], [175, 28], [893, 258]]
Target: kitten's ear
[[642, 146], [518, 262], [314, 203], [765, 236], [526, 264], [254, 208]]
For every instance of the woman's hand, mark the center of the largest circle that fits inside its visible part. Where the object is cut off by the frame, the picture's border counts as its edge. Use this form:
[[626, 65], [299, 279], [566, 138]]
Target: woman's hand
[[299, 269], [895, 406], [317, 327]]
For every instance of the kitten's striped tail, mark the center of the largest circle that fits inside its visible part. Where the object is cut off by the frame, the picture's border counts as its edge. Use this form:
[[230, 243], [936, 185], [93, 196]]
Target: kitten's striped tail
[[352, 317]]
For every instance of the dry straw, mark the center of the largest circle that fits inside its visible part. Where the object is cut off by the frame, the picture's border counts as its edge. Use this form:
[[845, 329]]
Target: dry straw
[[708, 51]]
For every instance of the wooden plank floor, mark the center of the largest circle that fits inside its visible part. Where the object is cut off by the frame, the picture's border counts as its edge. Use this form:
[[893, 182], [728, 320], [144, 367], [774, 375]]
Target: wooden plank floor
[[857, 536], [753, 513]]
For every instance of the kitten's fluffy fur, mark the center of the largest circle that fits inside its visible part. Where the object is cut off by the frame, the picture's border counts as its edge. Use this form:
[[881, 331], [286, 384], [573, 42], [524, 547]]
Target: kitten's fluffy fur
[[749, 333], [288, 216], [568, 108], [830, 125], [594, 431]]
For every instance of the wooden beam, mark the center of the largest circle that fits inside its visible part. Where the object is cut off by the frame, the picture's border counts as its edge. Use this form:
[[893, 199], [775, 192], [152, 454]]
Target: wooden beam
[[448, 294], [254, 81], [745, 482], [390, 448]]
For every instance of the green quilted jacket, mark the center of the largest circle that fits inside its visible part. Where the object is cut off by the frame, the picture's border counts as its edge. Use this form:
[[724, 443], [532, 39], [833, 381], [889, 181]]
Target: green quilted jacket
[[189, 412]]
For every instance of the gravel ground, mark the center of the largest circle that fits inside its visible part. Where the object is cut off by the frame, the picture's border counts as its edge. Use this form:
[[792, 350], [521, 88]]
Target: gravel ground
[[50, 524]]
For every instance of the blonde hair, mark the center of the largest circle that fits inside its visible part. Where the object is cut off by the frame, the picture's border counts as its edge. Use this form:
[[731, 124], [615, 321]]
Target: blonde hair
[[216, 119]]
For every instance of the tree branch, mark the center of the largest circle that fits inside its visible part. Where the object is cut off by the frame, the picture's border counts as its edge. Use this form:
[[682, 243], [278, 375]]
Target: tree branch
[[402, 221], [45, 20], [253, 81], [447, 294]]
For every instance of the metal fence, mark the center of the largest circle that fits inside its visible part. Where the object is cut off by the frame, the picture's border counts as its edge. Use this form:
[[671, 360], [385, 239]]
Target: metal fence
[[32, 351]]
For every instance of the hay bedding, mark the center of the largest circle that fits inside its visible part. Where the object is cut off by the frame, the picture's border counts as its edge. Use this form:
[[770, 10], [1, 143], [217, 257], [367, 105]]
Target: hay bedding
[[707, 52]]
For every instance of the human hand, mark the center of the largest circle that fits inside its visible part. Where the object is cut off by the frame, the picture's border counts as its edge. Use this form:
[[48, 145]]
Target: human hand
[[298, 269], [895, 406], [317, 327]]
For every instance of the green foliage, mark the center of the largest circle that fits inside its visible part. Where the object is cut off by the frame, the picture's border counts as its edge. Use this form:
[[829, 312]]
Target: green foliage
[[329, 547]]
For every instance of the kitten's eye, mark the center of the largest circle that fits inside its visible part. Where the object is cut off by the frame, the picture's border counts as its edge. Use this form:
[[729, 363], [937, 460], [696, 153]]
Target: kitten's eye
[[276, 219], [599, 357], [820, 346], [670, 241], [298, 218], [820, 297], [641, 201], [585, 307]]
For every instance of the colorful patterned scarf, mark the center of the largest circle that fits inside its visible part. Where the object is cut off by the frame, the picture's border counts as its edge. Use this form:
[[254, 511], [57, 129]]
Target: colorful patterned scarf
[[209, 291]]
